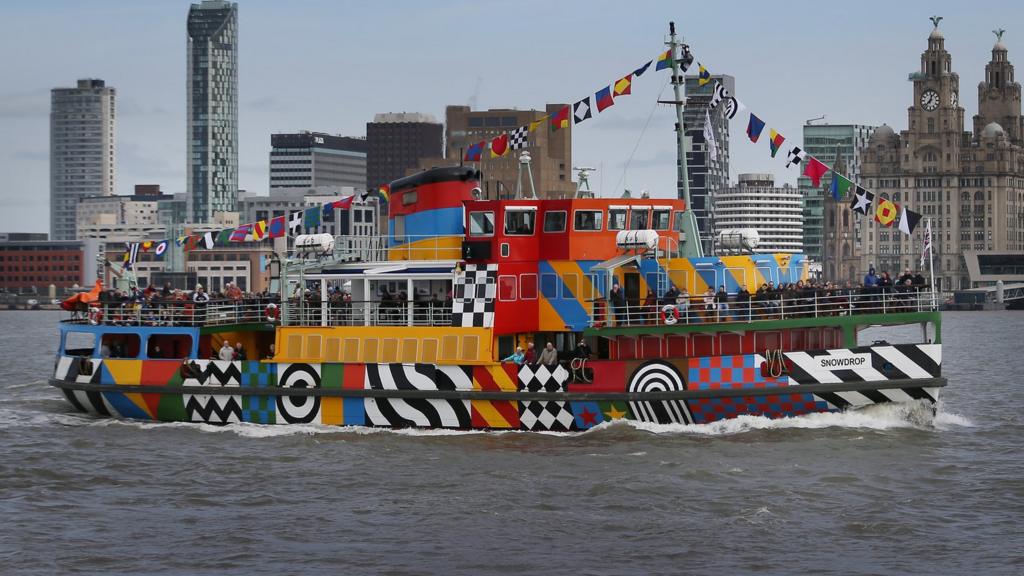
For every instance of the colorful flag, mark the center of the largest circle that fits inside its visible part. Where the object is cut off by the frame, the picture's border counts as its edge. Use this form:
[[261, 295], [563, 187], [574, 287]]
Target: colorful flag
[[192, 242], [840, 185], [147, 245], [603, 99], [345, 203], [581, 110], [795, 156], [862, 200], [161, 247], [814, 170], [499, 146], [224, 236], [259, 230], [519, 139], [277, 227], [623, 87], [384, 191], [664, 61], [560, 119], [686, 59], [775, 141], [131, 254], [886, 212], [239, 234], [538, 122], [295, 222], [703, 76], [754, 128], [732, 105], [474, 151], [640, 71], [908, 221], [208, 241], [311, 219], [180, 240], [709, 137], [926, 249]]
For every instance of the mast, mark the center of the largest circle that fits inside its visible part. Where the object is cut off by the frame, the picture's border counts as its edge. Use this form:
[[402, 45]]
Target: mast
[[691, 246]]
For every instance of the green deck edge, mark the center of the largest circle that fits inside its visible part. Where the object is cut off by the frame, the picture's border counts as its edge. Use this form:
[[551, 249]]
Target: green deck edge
[[247, 327], [849, 324]]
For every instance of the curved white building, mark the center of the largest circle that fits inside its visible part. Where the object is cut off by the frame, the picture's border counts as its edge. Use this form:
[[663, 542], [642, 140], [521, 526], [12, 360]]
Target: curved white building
[[755, 202]]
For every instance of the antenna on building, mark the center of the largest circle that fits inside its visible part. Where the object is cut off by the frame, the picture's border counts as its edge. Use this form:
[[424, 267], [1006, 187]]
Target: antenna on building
[[811, 121], [583, 181], [471, 102], [524, 164]]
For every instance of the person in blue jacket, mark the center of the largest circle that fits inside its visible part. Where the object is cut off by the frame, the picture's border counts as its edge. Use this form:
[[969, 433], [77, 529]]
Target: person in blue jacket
[[518, 357]]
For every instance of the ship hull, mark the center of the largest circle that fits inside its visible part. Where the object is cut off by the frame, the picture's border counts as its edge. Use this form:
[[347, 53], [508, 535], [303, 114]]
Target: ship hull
[[682, 391]]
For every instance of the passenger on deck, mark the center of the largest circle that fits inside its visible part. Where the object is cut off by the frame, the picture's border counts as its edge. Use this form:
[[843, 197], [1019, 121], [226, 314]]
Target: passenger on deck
[[549, 356], [709, 301], [531, 354], [518, 357], [650, 314], [270, 353], [240, 352], [683, 305], [722, 303], [618, 300], [743, 304], [227, 353], [156, 353]]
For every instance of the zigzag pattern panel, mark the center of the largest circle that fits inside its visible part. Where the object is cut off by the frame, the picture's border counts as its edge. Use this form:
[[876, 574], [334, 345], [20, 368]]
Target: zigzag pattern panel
[[213, 408], [298, 409], [417, 412], [82, 371]]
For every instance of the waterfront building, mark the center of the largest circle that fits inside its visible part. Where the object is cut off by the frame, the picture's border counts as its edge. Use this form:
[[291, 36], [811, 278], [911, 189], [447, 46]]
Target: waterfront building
[[707, 175], [139, 209], [314, 159], [31, 263], [969, 185], [396, 142], [756, 203], [82, 150], [212, 109]]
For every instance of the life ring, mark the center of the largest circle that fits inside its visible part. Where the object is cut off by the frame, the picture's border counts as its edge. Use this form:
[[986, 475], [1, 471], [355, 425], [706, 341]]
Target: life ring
[[95, 315], [272, 313], [669, 314]]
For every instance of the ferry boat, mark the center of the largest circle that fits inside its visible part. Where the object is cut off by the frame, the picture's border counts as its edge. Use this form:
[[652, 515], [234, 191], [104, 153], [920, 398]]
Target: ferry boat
[[423, 330]]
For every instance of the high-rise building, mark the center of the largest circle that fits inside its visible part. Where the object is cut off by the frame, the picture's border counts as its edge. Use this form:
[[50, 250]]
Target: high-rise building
[[706, 175], [970, 186], [396, 142], [832, 144], [314, 159], [81, 150], [212, 133], [551, 152], [755, 203]]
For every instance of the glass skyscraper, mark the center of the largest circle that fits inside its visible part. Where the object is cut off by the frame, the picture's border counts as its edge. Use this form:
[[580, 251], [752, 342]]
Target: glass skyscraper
[[212, 109], [707, 176]]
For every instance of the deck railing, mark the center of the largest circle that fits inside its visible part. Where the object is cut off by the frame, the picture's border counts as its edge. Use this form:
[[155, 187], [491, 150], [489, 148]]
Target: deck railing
[[808, 304], [178, 312]]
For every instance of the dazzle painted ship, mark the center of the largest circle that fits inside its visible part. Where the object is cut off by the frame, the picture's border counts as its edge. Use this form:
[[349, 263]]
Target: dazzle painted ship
[[423, 329]]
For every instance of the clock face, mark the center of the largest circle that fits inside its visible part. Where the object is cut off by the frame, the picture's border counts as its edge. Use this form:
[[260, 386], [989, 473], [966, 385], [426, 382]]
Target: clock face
[[953, 99], [930, 100]]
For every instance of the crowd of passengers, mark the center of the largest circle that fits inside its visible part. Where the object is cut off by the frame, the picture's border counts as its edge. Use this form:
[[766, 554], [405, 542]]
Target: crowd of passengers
[[174, 307], [877, 293], [390, 310]]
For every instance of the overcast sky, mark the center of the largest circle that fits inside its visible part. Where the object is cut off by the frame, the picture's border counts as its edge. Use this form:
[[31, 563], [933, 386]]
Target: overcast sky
[[330, 66]]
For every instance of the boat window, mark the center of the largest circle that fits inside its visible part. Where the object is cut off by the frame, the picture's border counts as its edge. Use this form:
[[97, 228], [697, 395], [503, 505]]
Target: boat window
[[617, 219], [554, 221], [170, 346], [519, 222], [79, 343], [481, 223], [119, 346], [587, 220], [549, 286], [409, 197], [570, 286], [638, 219], [528, 287], [680, 215], [662, 219], [506, 288]]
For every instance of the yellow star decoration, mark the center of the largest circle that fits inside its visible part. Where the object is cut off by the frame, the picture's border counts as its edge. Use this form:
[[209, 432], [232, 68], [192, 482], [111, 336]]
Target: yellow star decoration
[[614, 413]]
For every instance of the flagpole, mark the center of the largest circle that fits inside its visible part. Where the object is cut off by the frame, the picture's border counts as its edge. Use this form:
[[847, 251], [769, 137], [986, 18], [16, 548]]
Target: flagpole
[[692, 247], [931, 251]]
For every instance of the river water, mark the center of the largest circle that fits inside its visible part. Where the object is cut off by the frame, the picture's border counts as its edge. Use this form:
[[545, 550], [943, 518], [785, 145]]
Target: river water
[[888, 490]]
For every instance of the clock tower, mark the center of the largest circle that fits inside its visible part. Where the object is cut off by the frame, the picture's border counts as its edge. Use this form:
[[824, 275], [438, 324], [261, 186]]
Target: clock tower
[[999, 94], [936, 120]]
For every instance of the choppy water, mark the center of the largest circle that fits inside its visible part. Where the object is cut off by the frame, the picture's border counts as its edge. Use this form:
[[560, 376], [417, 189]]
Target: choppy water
[[883, 491]]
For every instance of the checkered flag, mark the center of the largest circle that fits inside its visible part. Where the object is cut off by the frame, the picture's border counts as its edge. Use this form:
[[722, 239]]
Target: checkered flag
[[519, 138]]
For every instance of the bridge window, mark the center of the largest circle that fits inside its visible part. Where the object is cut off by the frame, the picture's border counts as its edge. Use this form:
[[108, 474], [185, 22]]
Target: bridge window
[[587, 220], [617, 219], [519, 222], [79, 343], [554, 221], [120, 346], [662, 219], [680, 218], [481, 223], [638, 219], [170, 346]]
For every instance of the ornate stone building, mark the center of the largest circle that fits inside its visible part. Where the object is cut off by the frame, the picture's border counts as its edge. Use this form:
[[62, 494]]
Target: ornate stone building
[[969, 184]]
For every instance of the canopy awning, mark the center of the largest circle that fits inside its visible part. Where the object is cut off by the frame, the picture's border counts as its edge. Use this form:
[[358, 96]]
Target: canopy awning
[[617, 262]]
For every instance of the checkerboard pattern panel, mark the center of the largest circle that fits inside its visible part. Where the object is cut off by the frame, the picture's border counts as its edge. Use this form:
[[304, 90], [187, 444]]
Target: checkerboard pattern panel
[[474, 294], [744, 372]]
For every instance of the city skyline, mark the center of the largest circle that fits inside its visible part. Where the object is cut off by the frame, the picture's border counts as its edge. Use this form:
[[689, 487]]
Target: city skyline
[[288, 86]]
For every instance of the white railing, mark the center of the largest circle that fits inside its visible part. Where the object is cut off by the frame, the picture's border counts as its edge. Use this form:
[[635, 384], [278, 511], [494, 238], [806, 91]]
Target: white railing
[[786, 306], [403, 247], [368, 313], [178, 312]]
